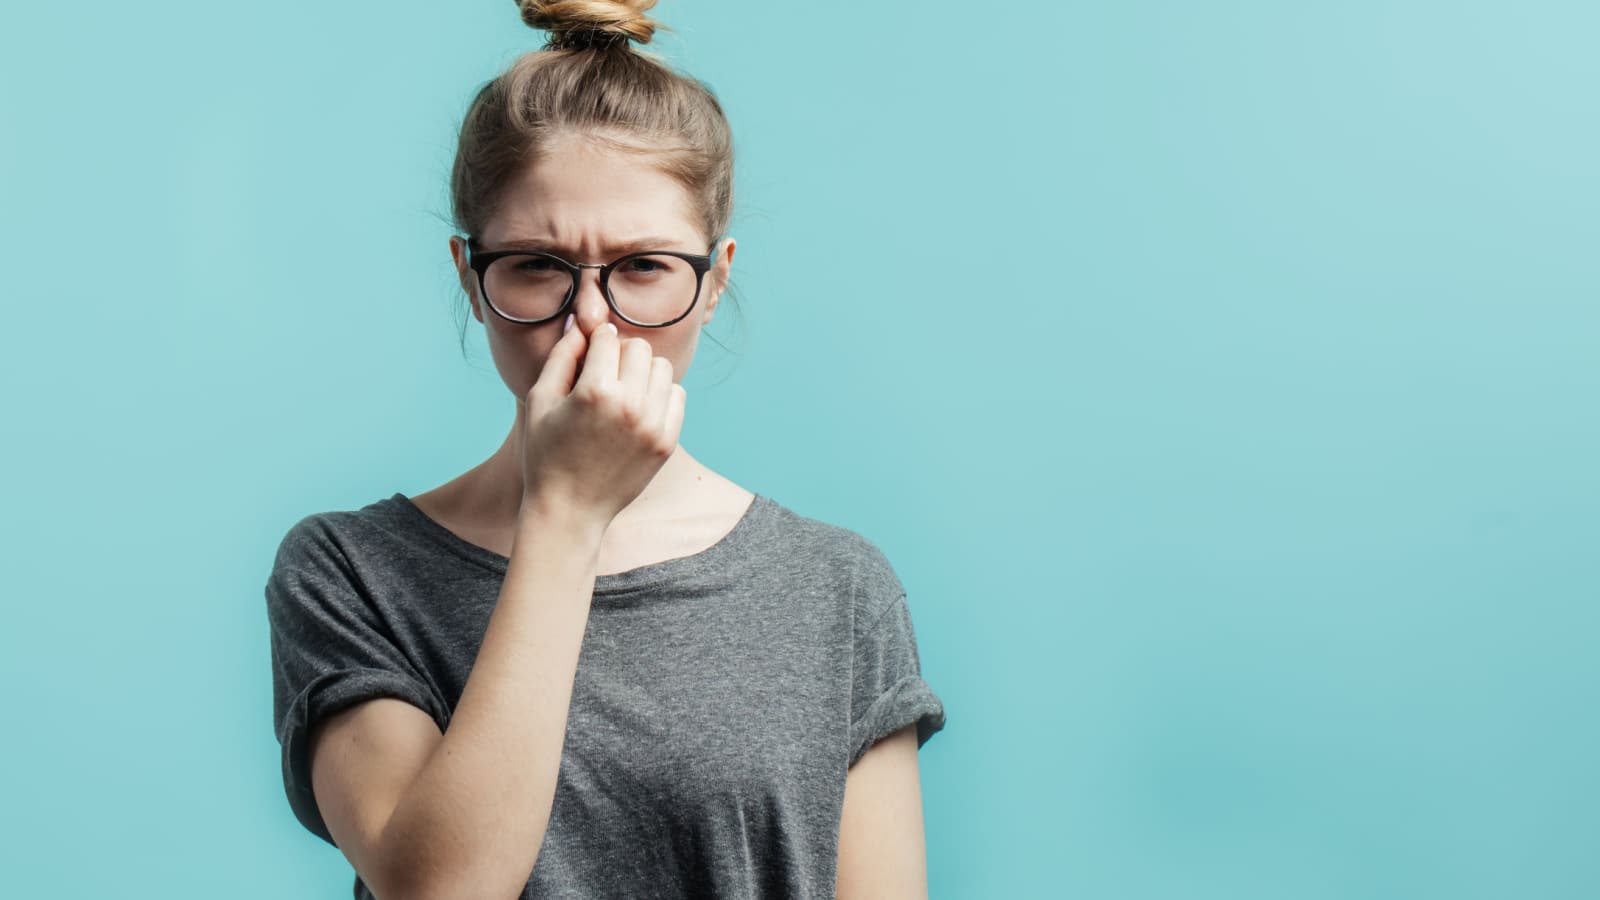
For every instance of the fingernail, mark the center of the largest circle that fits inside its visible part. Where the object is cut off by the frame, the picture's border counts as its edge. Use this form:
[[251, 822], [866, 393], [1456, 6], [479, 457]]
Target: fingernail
[[568, 327]]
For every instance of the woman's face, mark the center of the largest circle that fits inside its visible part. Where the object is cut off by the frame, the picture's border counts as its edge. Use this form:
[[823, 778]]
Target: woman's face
[[584, 203]]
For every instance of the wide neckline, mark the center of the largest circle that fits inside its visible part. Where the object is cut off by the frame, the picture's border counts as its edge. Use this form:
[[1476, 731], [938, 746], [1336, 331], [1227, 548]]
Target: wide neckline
[[726, 547]]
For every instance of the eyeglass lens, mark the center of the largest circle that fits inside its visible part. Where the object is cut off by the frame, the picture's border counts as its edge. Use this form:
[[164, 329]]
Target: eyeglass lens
[[647, 289]]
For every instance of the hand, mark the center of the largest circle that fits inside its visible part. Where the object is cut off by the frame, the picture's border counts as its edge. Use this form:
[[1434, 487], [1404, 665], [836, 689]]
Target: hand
[[601, 419]]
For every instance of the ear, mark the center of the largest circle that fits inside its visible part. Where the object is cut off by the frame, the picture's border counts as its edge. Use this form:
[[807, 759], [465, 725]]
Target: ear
[[469, 281], [721, 267]]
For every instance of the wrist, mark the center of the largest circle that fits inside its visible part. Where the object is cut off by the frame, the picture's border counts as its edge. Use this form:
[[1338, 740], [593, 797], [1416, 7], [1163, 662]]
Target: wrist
[[543, 514]]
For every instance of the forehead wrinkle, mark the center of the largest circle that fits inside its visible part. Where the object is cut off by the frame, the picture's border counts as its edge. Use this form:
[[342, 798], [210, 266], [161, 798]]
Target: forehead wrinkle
[[574, 193], [550, 245]]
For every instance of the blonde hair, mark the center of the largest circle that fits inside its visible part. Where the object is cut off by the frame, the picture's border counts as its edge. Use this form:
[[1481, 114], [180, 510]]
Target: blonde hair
[[588, 80]]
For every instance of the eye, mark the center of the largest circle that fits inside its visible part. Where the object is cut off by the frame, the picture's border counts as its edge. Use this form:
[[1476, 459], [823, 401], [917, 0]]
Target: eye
[[643, 265], [536, 264]]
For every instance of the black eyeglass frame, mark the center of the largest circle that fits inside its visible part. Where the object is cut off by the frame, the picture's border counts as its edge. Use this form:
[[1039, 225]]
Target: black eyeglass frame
[[479, 259]]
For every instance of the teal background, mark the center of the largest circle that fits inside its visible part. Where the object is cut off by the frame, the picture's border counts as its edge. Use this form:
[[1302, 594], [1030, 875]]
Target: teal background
[[1220, 379]]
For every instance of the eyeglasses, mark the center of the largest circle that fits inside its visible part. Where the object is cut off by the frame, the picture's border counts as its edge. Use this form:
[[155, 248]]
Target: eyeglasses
[[649, 289]]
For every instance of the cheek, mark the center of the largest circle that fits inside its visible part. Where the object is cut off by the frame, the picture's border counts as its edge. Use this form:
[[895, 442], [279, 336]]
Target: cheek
[[681, 349], [519, 351]]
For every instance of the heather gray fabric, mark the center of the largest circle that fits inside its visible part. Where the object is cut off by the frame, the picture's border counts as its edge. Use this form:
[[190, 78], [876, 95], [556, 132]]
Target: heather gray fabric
[[719, 698]]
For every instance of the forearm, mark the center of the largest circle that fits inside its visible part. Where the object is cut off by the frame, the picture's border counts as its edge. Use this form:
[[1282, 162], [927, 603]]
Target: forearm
[[471, 823]]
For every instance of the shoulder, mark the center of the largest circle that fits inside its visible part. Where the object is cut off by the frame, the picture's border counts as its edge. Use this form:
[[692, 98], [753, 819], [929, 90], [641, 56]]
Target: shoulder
[[322, 544], [319, 535], [845, 553]]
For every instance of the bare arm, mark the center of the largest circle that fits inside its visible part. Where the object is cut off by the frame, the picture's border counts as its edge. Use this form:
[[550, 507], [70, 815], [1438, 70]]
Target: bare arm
[[881, 847], [424, 816], [470, 821]]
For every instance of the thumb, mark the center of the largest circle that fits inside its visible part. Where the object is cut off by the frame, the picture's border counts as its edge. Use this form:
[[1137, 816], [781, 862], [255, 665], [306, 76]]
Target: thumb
[[561, 366]]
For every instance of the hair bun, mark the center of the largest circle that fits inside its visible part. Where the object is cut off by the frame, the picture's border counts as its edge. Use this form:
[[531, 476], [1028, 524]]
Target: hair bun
[[589, 24]]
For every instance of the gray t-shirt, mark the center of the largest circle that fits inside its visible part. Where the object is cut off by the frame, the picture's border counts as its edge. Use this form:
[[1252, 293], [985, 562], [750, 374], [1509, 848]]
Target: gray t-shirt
[[719, 699]]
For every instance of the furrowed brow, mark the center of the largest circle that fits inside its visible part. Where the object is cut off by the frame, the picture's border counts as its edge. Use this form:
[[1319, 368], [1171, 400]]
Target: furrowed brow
[[620, 248]]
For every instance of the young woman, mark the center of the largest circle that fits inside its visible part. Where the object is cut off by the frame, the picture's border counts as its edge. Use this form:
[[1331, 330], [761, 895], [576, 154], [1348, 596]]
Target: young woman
[[590, 666]]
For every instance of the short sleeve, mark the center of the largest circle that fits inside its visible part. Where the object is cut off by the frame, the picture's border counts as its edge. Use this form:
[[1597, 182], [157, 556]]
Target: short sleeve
[[888, 691], [331, 648]]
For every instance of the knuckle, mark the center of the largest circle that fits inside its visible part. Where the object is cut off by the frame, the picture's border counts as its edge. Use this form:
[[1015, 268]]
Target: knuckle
[[591, 394]]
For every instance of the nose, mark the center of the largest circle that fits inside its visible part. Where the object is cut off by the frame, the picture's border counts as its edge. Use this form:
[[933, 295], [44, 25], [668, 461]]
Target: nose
[[589, 306]]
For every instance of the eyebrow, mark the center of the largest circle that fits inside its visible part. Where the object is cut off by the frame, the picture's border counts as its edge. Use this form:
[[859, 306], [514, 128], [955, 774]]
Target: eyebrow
[[620, 248]]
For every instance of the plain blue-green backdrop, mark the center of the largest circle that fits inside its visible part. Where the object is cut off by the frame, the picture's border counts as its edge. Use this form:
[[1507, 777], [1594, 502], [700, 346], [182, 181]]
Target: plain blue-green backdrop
[[1220, 378]]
